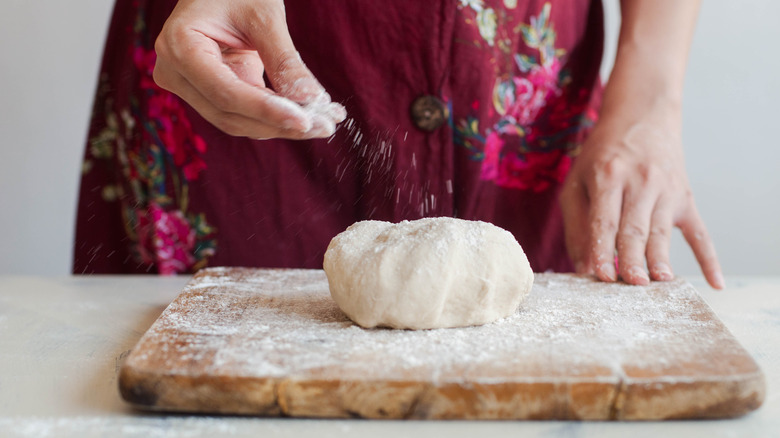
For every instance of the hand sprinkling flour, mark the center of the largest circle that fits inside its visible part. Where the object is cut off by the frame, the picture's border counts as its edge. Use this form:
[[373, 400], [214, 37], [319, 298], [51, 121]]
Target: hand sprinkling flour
[[227, 86]]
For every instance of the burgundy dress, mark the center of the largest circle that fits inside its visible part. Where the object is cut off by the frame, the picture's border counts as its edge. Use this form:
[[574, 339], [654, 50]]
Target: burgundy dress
[[469, 108]]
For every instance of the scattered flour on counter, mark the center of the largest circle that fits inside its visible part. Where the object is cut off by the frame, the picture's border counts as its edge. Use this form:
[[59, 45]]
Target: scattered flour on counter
[[126, 426]]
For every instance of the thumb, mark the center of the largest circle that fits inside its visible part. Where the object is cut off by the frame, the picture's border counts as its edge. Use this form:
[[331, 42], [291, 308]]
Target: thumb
[[292, 79], [267, 32]]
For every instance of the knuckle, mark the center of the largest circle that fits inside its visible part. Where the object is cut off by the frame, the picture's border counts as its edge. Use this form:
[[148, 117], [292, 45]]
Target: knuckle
[[286, 61], [159, 46], [632, 231], [648, 176], [691, 224], [159, 73], [604, 225], [160, 78], [660, 233], [266, 16], [163, 43], [604, 184], [612, 169], [652, 180], [688, 196], [654, 175], [170, 43], [176, 36]]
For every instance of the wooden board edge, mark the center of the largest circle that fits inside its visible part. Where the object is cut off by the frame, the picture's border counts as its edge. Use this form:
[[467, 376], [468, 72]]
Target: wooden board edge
[[426, 401], [574, 400], [730, 397], [366, 399], [198, 394]]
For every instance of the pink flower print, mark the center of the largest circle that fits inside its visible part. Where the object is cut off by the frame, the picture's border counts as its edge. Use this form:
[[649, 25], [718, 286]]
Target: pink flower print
[[493, 147], [566, 119], [500, 145], [174, 129], [545, 77], [534, 170], [532, 94], [536, 119], [166, 239]]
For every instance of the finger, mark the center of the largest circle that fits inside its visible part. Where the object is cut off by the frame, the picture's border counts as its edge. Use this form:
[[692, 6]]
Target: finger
[[574, 206], [603, 218], [249, 67], [695, 233], [202, 67], [239, 125], [246, 64], [286, 71], [632, 236], [658, 242], [322, 106]]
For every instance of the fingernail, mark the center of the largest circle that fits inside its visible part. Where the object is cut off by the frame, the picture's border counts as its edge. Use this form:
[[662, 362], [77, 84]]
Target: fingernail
[[720, 282], [332, 111], [321, 127], [638, 275], [662, 272], [337, 112], [607, 272], [302, 124], [297, 119], [304, 90]]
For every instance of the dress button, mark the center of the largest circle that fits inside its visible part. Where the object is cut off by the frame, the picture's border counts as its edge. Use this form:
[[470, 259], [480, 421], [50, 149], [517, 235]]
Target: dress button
[[428, 113]]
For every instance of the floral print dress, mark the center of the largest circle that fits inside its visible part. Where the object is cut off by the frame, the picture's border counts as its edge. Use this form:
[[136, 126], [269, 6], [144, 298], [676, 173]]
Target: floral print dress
[[163, 191]]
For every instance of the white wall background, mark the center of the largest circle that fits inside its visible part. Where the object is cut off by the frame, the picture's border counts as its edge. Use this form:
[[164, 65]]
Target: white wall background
[[50, 52]]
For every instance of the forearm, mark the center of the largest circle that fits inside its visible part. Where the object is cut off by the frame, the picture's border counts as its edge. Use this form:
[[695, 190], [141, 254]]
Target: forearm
[[653, 46], [629, 179]]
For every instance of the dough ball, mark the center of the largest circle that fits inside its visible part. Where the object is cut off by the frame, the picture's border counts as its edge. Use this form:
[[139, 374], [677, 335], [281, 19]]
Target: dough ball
[[427, 273]]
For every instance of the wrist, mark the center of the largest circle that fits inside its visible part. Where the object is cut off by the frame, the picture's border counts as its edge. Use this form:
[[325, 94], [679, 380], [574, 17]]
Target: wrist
[[638, 88], [621, 115], [655, 70]]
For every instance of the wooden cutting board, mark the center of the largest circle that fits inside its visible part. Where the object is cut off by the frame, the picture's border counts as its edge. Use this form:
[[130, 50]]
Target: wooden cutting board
[[272, 342]]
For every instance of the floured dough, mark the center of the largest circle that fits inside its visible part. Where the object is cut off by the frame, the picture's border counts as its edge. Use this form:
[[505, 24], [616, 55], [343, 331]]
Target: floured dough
[[427, 273]]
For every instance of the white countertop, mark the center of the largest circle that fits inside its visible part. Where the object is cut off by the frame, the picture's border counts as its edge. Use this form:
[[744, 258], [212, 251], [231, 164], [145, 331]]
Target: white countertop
[[62, 341]]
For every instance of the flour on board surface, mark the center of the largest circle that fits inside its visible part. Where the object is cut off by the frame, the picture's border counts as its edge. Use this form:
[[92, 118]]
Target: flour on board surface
[[273, 323]]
